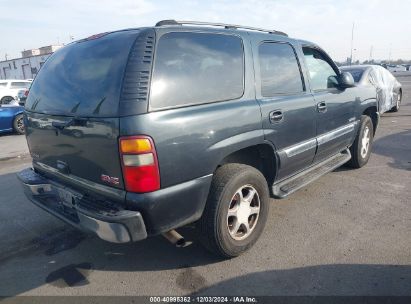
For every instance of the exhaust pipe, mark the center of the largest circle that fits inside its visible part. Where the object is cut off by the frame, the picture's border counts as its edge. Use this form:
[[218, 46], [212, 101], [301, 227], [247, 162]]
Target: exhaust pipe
[[175, 238]]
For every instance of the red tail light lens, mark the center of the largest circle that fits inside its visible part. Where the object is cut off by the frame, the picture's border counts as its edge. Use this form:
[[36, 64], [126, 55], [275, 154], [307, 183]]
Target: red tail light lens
[[140, 165], [26, 93]]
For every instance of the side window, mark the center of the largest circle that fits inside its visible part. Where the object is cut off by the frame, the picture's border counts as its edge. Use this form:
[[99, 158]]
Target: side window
[[279, 70], [196, 68], [322, 74], [3, 84], [356, 74]]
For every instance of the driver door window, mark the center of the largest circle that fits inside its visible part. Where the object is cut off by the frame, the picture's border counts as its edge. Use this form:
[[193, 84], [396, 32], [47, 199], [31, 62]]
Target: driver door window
[[322, 74]]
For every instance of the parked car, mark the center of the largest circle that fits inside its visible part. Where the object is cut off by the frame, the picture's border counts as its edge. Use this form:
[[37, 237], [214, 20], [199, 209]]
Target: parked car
[[389, 89], [22, 96], [10, 88], [197, 124], [11, 119], [396, 68]]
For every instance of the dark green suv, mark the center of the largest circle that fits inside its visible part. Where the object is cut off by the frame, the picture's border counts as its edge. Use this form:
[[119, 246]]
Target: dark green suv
[[138, 132]]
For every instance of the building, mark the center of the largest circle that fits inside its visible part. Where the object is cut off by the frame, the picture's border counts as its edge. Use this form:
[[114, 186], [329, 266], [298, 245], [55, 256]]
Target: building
[[28, 65], [29, 53], [49, 49]]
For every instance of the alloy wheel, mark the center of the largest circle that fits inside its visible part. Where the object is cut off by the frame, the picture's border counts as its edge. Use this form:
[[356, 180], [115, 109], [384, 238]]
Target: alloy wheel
[[365, 142], [243, 212], [20, 124]]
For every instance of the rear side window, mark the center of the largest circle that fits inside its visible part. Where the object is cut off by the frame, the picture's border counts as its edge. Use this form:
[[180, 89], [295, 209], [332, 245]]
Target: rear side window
[[196, 68], [3, 84], [83, 78], [356, 74], [279, 70], [20, 85]]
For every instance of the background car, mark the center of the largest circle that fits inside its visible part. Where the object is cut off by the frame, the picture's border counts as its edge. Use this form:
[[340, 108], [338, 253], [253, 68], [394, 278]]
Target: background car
[[389, 90], [11, 119], [10, 88], [22, 96], [396, 68]]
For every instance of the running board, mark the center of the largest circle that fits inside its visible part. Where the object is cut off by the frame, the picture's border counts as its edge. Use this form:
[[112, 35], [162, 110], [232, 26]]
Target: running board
[[293, 183]]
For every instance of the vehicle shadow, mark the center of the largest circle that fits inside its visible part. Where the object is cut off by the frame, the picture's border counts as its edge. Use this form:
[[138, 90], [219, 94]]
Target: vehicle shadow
[[396, 146], [321, 280], [36, 248]]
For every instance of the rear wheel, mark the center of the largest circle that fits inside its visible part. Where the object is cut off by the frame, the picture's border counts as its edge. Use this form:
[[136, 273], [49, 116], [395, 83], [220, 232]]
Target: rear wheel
[[396, 108], [18, 124], [236, 210], [361, 148]]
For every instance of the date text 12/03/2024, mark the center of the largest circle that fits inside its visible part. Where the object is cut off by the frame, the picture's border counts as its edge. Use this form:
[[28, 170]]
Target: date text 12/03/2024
[[203, 299]]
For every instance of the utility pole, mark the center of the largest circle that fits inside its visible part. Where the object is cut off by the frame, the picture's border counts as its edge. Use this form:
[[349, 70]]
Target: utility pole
[[5, 56], [352, 41]]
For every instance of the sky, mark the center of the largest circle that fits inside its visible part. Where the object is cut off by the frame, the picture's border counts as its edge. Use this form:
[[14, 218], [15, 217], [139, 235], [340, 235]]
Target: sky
[[382, 28]]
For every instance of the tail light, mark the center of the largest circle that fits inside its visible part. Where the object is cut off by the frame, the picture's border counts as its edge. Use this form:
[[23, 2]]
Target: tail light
[[26, 93], [139, 162]]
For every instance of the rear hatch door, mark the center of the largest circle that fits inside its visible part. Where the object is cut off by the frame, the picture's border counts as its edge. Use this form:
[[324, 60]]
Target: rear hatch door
[[72, 109]]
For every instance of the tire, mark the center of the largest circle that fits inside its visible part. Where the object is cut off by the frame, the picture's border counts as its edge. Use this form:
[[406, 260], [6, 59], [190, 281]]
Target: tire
[[216, 229], [361, 148], [396, 108], [18, 124], [6, 100]]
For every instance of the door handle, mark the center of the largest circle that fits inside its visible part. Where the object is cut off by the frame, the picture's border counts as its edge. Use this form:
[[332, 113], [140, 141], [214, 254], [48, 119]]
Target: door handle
[[322, 107], [276, 116]]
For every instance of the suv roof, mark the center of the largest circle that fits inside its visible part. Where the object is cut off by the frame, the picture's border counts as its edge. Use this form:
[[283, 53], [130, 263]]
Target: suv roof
[[195, 25]]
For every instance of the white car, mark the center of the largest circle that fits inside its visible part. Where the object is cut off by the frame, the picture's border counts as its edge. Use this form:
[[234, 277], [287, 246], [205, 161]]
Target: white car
[[396, 68], [388, 88], [9, 89]]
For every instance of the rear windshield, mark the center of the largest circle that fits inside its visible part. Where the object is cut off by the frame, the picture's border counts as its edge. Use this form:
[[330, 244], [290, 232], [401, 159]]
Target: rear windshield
[[356, 74], [83, 78]]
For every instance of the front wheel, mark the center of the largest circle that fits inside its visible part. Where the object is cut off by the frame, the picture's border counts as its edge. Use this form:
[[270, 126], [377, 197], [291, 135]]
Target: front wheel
[[18, 124], [236, 210], [361, 148]]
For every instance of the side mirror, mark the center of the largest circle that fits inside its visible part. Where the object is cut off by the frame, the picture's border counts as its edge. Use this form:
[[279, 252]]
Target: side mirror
[[345, 80]]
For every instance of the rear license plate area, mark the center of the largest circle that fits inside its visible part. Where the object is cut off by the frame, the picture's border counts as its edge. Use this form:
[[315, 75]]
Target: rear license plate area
[[68, 198]]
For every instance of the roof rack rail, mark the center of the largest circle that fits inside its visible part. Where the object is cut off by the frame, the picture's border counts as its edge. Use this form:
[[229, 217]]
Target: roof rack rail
[[227, 26]]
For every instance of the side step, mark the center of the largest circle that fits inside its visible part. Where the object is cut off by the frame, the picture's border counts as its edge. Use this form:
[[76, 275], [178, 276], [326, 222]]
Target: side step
[[293, 183]]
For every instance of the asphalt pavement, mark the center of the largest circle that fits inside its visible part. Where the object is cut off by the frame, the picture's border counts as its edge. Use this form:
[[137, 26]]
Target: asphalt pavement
[[348, 233]]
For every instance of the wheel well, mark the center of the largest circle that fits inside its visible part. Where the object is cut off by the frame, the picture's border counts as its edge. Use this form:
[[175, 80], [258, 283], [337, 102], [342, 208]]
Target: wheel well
[[373, 114], [261, 157]]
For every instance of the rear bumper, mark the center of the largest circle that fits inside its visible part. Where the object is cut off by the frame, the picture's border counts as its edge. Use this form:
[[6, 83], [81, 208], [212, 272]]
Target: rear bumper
[[109, 221]]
